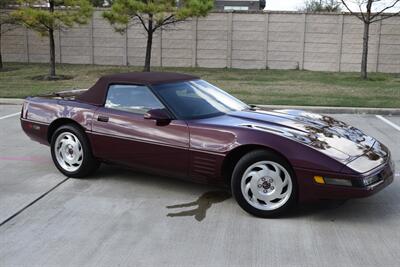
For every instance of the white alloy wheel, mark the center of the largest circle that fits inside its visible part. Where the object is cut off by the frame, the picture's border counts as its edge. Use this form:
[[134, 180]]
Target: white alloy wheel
[[266, 185], [68, 151]]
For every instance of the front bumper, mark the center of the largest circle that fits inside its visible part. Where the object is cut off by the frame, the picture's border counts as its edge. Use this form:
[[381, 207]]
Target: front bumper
[[311, 191]]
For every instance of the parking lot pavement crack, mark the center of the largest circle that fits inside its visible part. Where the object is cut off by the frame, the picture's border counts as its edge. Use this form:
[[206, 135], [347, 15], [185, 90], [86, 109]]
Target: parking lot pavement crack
[[33, 202]]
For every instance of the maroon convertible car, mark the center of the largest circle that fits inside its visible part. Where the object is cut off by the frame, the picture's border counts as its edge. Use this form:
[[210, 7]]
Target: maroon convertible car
[[181, 126]]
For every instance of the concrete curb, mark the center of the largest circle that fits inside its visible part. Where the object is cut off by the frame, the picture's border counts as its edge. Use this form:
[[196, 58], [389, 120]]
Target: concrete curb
[[11, 101], [316, 109], [338, 110]]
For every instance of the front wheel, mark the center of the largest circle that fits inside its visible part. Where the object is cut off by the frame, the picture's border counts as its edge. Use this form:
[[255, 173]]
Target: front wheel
[[263, 184], [71, 152]]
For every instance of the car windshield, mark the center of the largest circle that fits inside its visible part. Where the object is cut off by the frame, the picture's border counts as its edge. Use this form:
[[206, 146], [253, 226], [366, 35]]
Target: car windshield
[[197, 99]]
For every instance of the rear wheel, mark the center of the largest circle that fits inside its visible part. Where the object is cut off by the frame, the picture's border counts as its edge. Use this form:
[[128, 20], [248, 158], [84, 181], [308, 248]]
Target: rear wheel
[[71, 152], [263, 184]]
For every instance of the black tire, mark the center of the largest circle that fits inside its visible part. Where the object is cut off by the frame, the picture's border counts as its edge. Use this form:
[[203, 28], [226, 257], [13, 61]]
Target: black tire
[[88, 165], [246, 162]]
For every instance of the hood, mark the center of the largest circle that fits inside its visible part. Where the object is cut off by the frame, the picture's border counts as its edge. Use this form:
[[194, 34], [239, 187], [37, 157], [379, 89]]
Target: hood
[[332, 137]]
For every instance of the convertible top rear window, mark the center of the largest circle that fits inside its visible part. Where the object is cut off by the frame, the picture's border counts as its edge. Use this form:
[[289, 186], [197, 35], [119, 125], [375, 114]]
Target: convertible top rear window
[[197, 99]]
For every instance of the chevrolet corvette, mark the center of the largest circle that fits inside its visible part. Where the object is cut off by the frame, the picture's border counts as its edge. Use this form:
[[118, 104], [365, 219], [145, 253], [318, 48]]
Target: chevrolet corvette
[[182, 126]]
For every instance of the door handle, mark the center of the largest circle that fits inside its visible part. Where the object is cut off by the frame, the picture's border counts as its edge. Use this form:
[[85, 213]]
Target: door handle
[[102, 118]]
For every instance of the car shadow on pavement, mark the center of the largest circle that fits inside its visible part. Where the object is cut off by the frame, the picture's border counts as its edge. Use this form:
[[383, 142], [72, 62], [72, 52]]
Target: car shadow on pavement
[[203, 203], [327, 210]]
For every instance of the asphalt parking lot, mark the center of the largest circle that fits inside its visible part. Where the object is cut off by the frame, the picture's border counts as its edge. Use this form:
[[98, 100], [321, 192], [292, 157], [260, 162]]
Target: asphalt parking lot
[[121, 217]]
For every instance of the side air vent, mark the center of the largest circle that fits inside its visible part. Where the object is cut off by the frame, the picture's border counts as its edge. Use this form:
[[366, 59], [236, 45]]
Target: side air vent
[[204, 167]]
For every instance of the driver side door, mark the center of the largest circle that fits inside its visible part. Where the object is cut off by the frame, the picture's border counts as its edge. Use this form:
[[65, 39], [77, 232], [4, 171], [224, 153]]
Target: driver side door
[[121, 134]]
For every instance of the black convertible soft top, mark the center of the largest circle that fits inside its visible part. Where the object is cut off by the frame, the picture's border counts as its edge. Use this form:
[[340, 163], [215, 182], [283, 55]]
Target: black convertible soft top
[[96, 95]]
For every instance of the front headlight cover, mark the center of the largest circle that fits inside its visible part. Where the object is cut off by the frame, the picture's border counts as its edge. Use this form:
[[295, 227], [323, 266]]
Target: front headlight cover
[[334, 181], [370, 180]]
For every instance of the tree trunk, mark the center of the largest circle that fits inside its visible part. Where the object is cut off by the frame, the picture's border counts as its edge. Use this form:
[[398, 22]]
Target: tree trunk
[[149, 44], [364, 60], [52, 72]]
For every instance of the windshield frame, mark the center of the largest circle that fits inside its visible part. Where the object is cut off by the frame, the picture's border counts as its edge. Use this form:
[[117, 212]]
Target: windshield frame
[[205, 116]]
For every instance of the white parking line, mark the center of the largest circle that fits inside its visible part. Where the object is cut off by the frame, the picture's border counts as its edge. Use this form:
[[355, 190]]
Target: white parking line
[[388, 122], [9, 116]]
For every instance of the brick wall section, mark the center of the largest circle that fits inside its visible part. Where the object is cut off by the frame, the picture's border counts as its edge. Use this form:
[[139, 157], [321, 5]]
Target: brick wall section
[[274, 40]]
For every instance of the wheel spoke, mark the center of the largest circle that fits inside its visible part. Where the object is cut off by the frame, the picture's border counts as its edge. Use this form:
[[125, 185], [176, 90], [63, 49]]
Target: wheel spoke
[[276, 173], [263, 172], [62, 148], [267, 197], [73, 161], [68, 138], [285, 182], [247, 188], [281, 195], [253, 174]]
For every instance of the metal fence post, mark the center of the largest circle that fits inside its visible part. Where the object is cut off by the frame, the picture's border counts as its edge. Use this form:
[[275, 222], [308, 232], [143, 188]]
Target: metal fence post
[[125, 55], [27, 44], [340, 42], [266, 37], [378, 46], [59, 46], [194, 42], [303, 41], [92, 40], [229, 40]]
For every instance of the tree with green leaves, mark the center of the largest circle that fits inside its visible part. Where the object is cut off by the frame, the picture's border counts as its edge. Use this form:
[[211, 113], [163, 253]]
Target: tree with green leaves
[[45, 17], [154, 14], [7, 22], [370, 11], [321, 6]]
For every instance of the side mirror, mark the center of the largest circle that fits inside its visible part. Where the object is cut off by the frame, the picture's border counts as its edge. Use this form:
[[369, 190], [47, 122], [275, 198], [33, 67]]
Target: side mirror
[[159, 115]]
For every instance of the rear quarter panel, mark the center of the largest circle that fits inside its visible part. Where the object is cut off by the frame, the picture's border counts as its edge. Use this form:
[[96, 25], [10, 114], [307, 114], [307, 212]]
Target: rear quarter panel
[[40, 113]]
